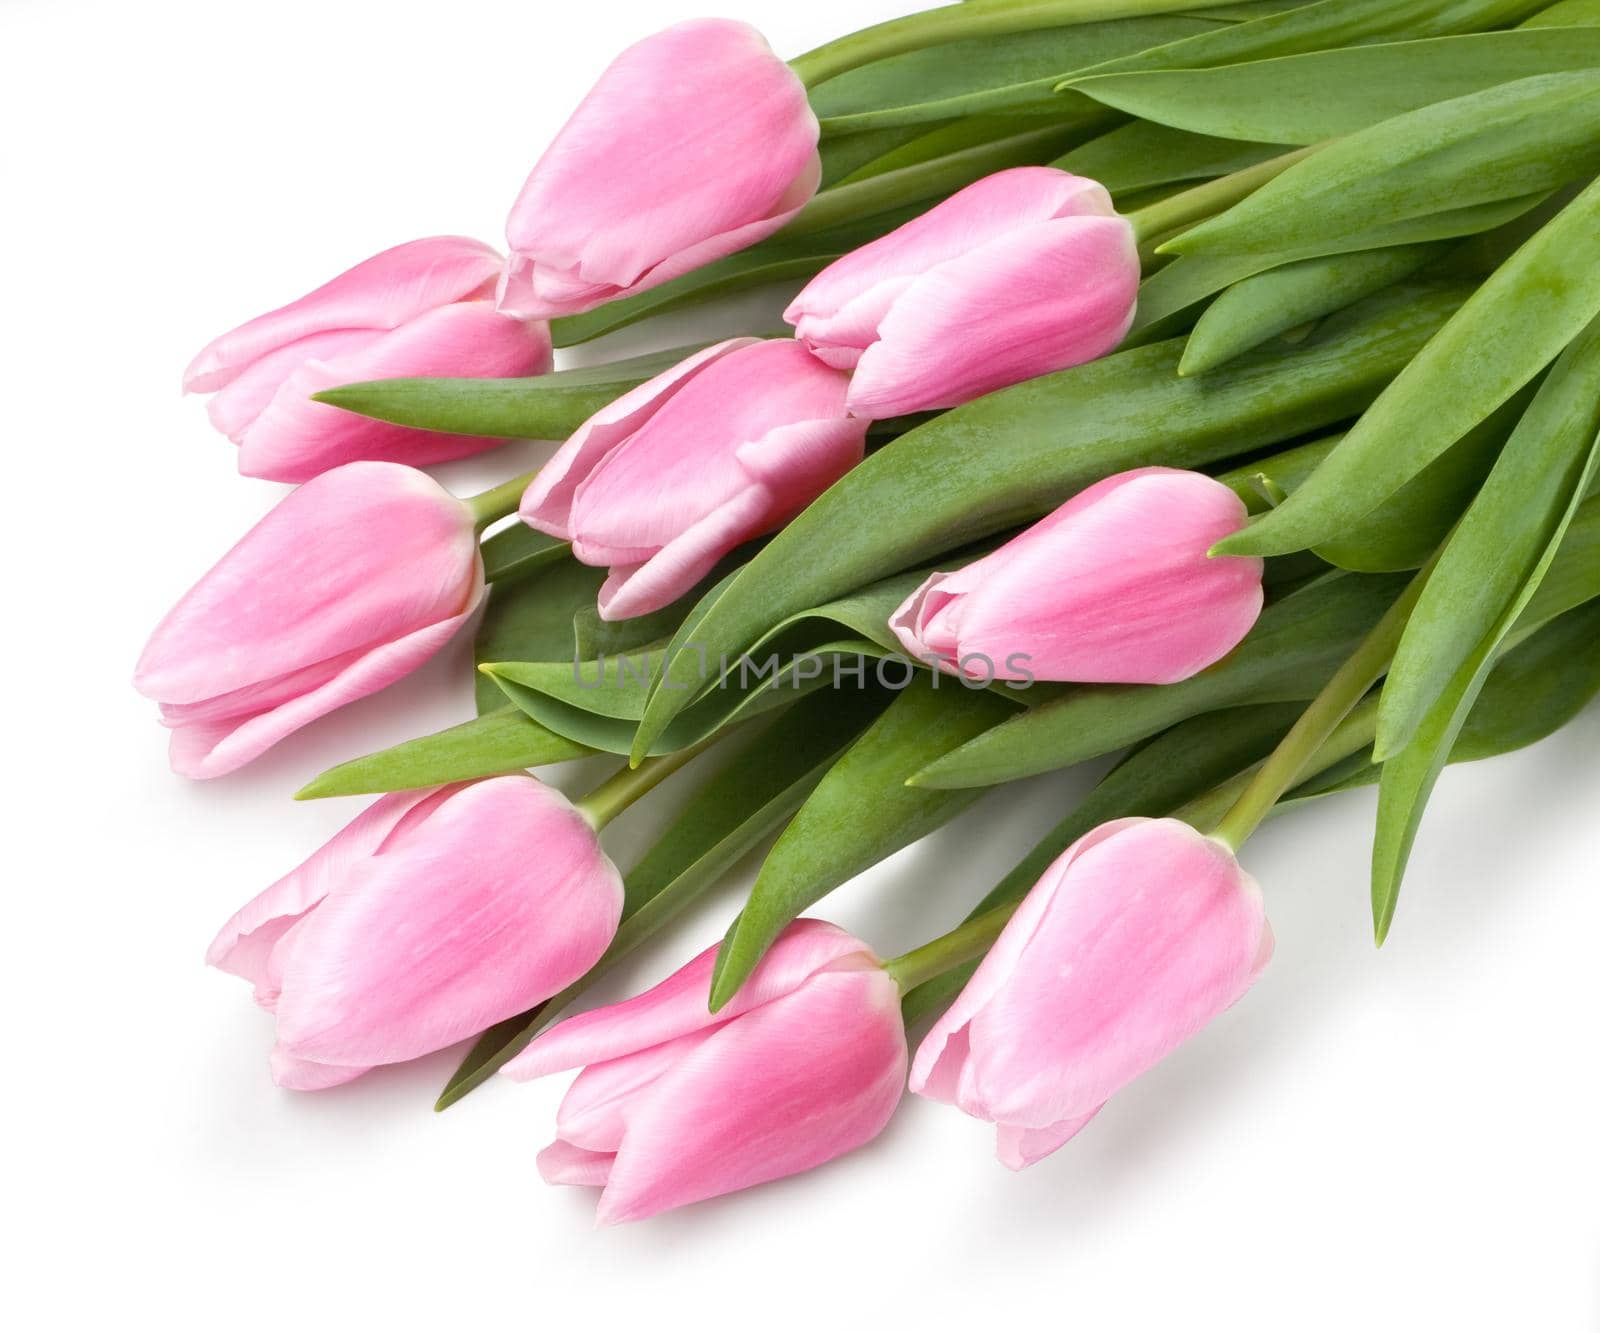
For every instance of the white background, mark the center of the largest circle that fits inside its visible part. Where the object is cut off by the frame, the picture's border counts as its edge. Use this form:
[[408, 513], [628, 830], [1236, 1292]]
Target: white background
[[1392, 1140]]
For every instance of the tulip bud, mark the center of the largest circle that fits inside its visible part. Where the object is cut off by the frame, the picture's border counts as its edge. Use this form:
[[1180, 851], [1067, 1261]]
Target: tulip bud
[[1114, 586], [665, 481], [1135, 938], [695, 142], [432, 916], [1025, 272], [423, 308], [678, 1104], [352, 581]]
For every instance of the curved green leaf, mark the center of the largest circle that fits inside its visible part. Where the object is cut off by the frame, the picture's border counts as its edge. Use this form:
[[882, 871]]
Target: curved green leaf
[[499, 742], [861, 812], [746, 799], [1263, 306], [1295, 645], [1016, 454], [1145, 156], [1306, 98], [1536, 303], [1567, 13], [517, 551], [531, 620]]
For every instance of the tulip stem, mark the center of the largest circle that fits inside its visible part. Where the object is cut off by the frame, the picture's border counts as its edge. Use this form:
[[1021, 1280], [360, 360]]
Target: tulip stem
[[492, 505], [971, 18], [1316, 727], [967, 941], [1154, 223], [627, 785]]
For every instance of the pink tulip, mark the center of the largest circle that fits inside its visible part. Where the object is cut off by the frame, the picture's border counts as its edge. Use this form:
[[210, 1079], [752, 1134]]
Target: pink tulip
[[1025, 272], [678, 1104], [695, 142], [1136, 937], [665, 481], [432, 916], [1114, 586], [419, 309], [351, 582]]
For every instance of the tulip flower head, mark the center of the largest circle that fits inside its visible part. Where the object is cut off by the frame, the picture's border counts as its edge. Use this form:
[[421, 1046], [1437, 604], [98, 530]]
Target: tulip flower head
[[1027, 271], [696, 142], [432, 916], [664, 482], [678, 1104], [1114, 586], [424, 308], [1135, 938], [352, 581]]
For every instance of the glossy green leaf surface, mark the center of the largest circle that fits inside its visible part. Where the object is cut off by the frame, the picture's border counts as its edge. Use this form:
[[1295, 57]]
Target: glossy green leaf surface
[[1009, 457], [517, 551], [1513, 326], [499, 742], [530, 619], [1306, 98], [1524, 505], [1144, 156], [1294, 647], [861, 812], [743, 802]]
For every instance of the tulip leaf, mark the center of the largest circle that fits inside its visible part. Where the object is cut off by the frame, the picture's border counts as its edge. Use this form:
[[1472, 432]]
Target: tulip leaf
[[503, 741], [1317, 95], [1533, 305], [517, 551], [1410, 773], [1295, 646], [861, 812], [1014, 455], [1144, 156], [1523, 509], [1567, 13], [1010, 73], [1270, 303], [1516, 139], [531, 619], [532, 407], [1180, 764], [744, 801]]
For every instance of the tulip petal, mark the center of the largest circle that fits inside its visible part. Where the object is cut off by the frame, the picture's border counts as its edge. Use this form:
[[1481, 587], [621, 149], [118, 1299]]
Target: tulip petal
[[383, 292], [594, 1113], [294, 438], [1018, 1147], [792, 1084], [677, 1006], [242, 945], [1038, 299], [606, 208], [234, 408], [307, 1075], [563, 1164], [389, 967], [547, 503]]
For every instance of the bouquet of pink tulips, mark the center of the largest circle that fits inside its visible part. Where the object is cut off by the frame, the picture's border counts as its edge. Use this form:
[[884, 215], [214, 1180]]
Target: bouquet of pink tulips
[[1213, 386]]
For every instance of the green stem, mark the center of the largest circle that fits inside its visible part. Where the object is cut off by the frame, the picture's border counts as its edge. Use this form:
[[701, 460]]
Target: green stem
[[1316, 726], [495, 503], [909, 185], [627, 785], [971, 18], [1156, 222], [967, 941]]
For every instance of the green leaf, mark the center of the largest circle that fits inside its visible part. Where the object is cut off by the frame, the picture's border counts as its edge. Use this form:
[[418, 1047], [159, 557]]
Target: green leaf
[[861, 812], [1014, 455], [500, 742], [1526, 503], [1332, 23], [1144, 156], [1154, 780], [1409, 774], [518, 551], [760, 787], [1303, 99], [1295, 645], [1011, 73], [1568, 13], [1263, 306], [531, 619], [1507, 332], [534, 407]]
